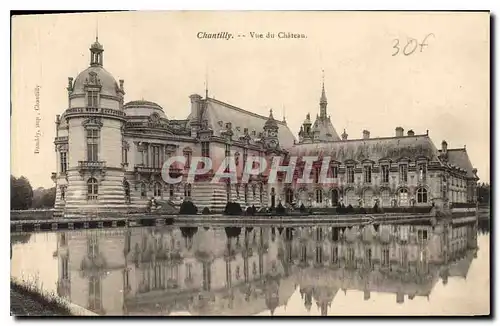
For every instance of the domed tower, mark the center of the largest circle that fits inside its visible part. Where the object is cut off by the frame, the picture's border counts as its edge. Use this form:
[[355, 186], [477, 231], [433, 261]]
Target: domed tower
[[89, 141], [271, 132]]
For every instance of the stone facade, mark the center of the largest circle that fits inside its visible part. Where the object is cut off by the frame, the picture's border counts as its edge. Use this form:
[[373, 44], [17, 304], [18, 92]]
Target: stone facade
[[110, 155]]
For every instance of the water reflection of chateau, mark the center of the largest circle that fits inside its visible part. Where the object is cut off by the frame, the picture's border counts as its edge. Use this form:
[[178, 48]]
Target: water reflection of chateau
[[245, 271]]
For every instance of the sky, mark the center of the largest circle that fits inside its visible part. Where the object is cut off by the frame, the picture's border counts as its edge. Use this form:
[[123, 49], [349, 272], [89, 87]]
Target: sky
[[442, 87]]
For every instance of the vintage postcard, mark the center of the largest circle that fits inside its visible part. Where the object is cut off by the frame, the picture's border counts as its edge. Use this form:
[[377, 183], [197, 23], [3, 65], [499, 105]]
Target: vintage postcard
[[279, 163]]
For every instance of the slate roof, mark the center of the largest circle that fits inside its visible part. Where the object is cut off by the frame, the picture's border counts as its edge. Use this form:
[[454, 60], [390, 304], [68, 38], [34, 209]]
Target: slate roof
[[217, 111], [460, 158], [325, 130], [374, 149]]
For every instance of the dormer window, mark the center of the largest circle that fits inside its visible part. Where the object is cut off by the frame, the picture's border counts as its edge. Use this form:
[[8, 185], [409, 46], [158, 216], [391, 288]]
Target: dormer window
[[92, 99]]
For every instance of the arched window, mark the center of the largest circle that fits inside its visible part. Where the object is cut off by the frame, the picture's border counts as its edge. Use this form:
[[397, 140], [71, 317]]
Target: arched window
[[289, 196], [246, 192], [421, 195], [171, 191], [144, 192], [261, 192], [319, 196], [254, 190], [187, 190], [350, 198], [92, 189], [335, 197], [157, 190], [368, 198], [403, 197]]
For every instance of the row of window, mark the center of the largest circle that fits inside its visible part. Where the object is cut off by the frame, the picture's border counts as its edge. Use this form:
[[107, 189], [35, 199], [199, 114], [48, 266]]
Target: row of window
[[350, 256], [368, 197]]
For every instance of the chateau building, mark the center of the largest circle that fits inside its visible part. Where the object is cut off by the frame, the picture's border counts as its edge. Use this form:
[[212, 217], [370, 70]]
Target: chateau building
[[246, 271], [110, 155]]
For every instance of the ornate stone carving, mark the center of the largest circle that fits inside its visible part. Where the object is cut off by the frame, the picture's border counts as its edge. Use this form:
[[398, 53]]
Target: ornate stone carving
[[92, 122], [93, 79]]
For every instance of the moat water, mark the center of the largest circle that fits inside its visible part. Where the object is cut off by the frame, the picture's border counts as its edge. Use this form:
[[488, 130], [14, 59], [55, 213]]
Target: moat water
[[418, 269]]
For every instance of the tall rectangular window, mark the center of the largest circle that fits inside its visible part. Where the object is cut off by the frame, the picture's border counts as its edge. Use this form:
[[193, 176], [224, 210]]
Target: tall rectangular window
[[403, 173], [93, 99], [205, 149], [316, 174], [92, 145], [335, 255], [156, 156], [124, 155], [187, 155], [65, 268], [350, 174], [335, 172], [385, 173], [385, 257], [64, 162], [422, 171], [368, 174]]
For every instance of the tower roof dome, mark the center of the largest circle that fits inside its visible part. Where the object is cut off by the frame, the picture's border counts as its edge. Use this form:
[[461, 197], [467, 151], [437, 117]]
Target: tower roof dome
[[96, 75], [271, 123], [99, 76], [143, 108]]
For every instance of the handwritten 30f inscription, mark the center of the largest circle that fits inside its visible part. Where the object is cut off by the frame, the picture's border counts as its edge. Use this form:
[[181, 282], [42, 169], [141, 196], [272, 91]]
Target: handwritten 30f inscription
[[411, 45]]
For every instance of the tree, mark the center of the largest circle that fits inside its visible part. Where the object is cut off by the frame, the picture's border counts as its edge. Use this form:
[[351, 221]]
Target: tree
[[21, 193], [44, 198], [483, 193]]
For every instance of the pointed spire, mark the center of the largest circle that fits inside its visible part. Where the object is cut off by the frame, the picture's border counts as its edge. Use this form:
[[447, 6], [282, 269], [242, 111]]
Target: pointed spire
[[271, 114], [323, 101], [323, 94], [206, 83], [284, 118], [96, 51]]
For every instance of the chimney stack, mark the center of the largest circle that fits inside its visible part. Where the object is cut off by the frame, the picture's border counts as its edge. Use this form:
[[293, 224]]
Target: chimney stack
[[399, 131], [366, 134], [411, 133], [195, 105], [444, 146]]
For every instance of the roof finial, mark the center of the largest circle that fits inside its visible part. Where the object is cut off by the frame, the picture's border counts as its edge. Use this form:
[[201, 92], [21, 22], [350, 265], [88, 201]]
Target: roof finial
[[323, 102], [97, 29], [206, 83], [284, 119]]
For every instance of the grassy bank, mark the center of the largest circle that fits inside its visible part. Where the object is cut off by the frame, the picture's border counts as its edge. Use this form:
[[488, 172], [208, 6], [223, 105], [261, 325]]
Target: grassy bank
[[28, 300]]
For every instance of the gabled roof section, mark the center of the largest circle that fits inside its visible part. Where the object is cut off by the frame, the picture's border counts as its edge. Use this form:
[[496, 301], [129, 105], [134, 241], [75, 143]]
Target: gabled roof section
[[460, 158], [375, 149], [325, 130], [218, 113]]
